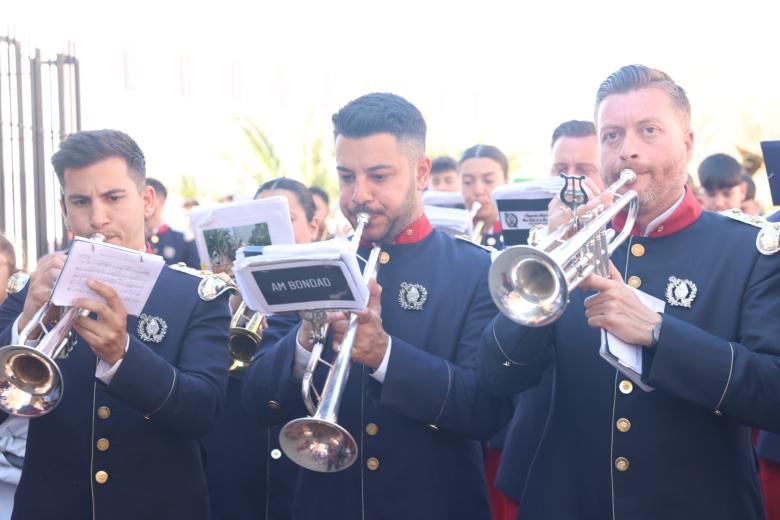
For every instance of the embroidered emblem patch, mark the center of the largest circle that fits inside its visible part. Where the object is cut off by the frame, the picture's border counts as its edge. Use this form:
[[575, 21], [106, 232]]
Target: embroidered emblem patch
[[680, 292], [768, 239], [412, 296], [151, 329], [17, 282]]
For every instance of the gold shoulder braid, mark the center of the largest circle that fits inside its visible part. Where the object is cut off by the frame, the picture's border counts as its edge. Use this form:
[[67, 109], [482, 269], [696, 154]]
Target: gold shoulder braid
[[211, 285], [768, 238]]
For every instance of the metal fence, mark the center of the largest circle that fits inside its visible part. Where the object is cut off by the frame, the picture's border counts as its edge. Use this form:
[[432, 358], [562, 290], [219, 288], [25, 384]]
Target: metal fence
[[39, 106]]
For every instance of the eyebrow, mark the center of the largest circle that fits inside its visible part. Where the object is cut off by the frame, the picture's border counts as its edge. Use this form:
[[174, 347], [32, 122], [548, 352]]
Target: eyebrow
[[483, 174], [374, 168], [109, 193]]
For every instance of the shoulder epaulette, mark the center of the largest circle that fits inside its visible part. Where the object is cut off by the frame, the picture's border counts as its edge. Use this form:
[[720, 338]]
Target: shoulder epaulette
[[184, 268], [211, 284], [739, 216], [467, 240], [17, 282]]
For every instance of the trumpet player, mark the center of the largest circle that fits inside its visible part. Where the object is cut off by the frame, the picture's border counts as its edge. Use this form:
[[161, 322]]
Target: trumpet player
[[701, 317], [481, 168], [249, 476], [412, 401], [123, 443]]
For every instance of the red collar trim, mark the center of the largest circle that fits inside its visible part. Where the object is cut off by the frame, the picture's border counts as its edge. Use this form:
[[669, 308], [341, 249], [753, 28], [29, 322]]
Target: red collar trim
[[686, 214], [149, 248], [414, 232], [162, 229], [497, 227]]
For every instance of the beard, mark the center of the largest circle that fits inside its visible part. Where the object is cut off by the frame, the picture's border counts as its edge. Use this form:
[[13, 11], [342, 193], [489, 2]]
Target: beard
[[397, 219], [663, 182]]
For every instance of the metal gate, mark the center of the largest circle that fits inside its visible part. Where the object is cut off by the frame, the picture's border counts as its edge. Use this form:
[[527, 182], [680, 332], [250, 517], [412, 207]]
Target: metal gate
[[39, 106]]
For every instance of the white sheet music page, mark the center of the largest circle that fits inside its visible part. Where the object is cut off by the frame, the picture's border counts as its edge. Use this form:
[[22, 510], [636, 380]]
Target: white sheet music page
[[132, 274], [631, 355]]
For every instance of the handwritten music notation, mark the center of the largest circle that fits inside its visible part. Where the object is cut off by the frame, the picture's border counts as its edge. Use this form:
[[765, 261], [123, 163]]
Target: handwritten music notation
[[132, 274]]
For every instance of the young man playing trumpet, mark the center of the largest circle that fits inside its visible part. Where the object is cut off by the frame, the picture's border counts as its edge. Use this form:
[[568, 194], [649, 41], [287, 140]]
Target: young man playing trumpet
[[610, 449], [138, 392], [412, 401]]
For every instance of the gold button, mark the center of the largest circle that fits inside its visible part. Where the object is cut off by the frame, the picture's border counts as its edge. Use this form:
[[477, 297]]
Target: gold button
[[623, 425], [373, 463], [637, 250], [626, 387], [384, 257], [372, 429], [409, 232], [104, 412], [155, 239], [273, 405], [491, 241], [635, 282], [622, 464], [103, 444], [433, 427], [276, 454], [101, 477]]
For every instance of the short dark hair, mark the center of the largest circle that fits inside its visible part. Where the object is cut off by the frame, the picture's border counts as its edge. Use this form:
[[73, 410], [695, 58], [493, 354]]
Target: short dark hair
[[443, 164], [750, 193], [302, 193], [159, 187], [573, 128], [489, 152], [85, 148], [635, 77], [380, 113], [719, 171], [316, 190]]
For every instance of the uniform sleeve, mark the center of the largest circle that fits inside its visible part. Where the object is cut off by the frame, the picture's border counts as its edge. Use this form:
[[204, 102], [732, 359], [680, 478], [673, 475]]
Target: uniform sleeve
[[739, 379], [271, 394], [512, 358], [191, 257], [447, 393], [10, 310], [184, 398]]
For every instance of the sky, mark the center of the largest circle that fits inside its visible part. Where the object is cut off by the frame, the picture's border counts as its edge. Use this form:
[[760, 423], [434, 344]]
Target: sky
[[180, 76]]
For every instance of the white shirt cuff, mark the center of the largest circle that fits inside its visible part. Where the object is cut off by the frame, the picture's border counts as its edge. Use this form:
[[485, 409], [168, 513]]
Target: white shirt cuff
[[105, 372], [379, 373], [301, 360]]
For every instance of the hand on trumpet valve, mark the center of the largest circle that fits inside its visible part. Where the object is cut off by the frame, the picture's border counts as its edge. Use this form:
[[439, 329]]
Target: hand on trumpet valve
[[618, 310], [559, 214], [307, 332], [40, 286], [106, 334], [371, 339]]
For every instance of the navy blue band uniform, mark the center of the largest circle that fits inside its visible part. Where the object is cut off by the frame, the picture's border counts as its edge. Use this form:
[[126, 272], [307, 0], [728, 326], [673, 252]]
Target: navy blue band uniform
[[418, 432], [612, 450], [174, 246], [131, 449]]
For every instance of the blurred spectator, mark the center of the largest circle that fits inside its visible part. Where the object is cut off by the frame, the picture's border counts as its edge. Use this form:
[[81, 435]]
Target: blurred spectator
[[172, 245], [322, 212], [226, 198], [575, 151], [13, 431], [721, 177], [444, 175], [750, 205]]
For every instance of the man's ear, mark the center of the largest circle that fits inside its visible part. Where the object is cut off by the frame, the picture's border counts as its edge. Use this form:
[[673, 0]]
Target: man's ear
[[148, 194], [64, 210], [422, 172]]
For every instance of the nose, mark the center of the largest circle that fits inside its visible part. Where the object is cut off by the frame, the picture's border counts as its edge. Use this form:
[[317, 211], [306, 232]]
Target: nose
[[630, 147], [99, 216], [361, 193]]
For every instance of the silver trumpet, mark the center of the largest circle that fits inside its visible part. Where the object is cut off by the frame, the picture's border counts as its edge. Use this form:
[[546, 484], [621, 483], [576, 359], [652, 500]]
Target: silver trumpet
[[318, 442], [31, 383], [531, 285]]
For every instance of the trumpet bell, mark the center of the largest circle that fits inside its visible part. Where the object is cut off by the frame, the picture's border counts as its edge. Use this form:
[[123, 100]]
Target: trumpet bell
[[528, 286], [318, 445], [31, 383]]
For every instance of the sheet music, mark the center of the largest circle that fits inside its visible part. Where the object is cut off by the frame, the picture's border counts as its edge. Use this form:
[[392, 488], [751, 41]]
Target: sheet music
[[132, 274], [627, 357]]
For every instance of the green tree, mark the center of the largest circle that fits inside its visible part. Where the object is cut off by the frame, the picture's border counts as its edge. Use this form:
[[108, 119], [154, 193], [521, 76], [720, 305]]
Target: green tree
[[270, 164]]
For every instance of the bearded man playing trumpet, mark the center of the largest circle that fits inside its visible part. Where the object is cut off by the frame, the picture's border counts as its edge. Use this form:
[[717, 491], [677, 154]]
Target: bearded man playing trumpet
[[138, 391], [412, 394], [691, 296]]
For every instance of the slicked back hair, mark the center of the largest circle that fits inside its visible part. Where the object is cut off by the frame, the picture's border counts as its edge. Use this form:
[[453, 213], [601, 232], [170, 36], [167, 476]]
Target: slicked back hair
[[489, 152], [634, 77], [573, 128], [88, 147], [382, 113]]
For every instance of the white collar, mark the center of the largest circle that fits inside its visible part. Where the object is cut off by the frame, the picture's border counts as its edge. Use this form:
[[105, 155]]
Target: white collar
[[663, 216]]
